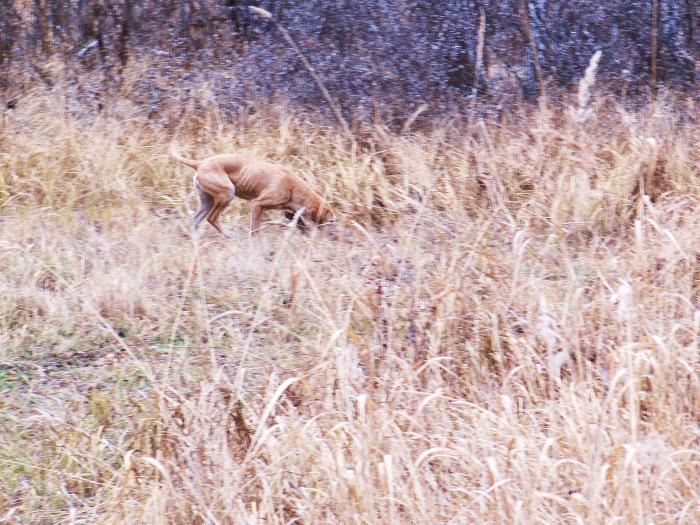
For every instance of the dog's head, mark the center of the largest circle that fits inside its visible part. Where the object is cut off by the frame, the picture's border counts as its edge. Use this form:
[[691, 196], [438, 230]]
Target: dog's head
[[322, 214], [324, 217]]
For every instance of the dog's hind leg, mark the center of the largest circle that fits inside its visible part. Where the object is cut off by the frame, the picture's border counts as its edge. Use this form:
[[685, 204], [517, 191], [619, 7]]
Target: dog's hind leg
[[216, 191], [206, 203], [219, 206]]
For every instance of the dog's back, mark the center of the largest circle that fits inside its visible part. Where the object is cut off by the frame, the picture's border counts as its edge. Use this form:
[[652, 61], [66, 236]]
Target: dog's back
[[251, 177]]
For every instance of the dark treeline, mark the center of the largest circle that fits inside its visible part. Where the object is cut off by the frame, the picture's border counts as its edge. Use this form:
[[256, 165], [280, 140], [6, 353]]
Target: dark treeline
[[371, 53]]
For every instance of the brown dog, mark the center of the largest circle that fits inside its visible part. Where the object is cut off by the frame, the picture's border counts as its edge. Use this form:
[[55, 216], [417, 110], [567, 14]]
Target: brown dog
[[268, 186]]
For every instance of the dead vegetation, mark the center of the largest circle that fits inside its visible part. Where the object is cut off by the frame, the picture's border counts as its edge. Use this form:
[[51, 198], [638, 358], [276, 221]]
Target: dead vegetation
[[507, 332]]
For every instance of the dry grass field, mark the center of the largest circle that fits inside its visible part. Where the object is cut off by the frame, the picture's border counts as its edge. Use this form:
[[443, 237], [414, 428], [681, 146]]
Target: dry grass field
[[506, 330]]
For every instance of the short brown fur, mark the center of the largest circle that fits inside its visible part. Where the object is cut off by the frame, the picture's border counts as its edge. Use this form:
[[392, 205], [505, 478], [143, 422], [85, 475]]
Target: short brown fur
[[267, 186]]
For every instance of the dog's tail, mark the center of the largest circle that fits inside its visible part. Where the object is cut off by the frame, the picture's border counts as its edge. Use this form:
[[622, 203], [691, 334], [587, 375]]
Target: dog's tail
[[190, 162]]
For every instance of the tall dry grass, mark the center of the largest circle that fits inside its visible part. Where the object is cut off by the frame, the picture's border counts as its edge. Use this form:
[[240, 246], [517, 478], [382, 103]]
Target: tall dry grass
[[506, 332]]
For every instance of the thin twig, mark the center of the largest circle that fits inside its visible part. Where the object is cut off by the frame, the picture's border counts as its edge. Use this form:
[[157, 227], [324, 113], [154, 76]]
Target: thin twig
[[319, 82]]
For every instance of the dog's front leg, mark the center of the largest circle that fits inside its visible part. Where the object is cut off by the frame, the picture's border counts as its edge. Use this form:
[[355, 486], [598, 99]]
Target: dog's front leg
[[299, 217], [269, 200], [255, 219]]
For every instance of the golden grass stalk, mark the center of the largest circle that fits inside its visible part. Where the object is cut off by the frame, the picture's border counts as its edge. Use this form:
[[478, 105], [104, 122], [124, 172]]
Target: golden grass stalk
[[583, 112]]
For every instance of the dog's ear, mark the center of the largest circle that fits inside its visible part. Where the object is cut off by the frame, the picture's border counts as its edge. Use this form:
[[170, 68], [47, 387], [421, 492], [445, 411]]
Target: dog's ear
[[325, 213], [315, 214]]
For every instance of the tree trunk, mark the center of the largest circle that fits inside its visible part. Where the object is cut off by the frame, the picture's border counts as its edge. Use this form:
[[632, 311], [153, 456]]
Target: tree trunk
[[41, 27], [124, 31], [654, 44], [689, 35], [527, 30]]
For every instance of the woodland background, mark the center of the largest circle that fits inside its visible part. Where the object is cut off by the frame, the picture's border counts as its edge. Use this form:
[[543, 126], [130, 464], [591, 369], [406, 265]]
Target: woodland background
[[374, 55]]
